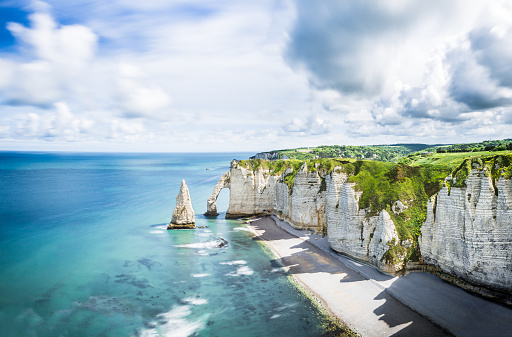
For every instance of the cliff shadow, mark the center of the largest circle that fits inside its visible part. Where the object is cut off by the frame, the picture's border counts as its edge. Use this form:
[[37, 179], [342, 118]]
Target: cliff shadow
[[353, 288], [395, 314]]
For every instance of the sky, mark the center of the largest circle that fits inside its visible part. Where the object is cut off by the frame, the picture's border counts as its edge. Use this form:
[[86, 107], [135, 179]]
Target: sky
[[224, 75]]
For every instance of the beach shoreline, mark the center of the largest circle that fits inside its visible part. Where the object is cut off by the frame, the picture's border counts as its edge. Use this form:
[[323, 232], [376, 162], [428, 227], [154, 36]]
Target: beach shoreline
[[372, 303]]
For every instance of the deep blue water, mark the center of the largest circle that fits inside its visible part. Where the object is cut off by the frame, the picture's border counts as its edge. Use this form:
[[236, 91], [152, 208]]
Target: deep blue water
[[84, 251]]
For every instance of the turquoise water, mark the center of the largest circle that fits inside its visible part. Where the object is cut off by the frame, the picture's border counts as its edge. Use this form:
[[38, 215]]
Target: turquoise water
[[84, 251]]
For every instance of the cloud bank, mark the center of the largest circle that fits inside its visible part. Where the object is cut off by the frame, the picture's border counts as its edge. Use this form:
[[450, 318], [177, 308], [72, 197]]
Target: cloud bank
[[223, 75], [413, 68]]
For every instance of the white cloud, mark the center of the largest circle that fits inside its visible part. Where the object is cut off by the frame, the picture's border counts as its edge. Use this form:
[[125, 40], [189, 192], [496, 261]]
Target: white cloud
[[216, 75], [311, 126], [136, 99], [58, 57], [59, 124], [408, 69]]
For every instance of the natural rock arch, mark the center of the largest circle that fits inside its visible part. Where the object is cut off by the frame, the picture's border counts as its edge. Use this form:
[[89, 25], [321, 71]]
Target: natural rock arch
[[211, 205]]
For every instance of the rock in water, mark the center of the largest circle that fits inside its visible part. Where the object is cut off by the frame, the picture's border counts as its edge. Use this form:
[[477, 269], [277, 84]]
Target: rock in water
[[183, 216]]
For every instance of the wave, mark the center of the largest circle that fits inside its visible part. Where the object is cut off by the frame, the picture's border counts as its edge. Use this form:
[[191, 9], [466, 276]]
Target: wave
[[157, 232], [243, 270], [234, 263], [220, 242], [195, 300], [174, 323], [200, 275], [242, 229]]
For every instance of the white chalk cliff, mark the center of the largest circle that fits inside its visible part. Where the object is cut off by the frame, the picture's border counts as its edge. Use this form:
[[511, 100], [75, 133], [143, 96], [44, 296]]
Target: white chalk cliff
[[183, 215], [468, 231], [322, 202]]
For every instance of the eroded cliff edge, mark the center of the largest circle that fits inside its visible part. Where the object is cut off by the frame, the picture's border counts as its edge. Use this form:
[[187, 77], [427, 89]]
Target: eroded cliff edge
[[468, 229], [374, 211]]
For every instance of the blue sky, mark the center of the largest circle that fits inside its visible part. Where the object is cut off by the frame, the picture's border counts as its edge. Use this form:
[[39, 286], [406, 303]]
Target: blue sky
[[223, 75]]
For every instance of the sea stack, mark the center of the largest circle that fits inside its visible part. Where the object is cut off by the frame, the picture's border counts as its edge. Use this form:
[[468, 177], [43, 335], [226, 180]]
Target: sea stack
[[183, 216]]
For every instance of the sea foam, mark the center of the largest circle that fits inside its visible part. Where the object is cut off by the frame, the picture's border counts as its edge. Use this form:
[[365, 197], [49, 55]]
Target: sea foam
[[173, 323]]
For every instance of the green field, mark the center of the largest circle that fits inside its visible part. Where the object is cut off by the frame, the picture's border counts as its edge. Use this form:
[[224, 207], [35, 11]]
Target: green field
[[397, 152], [450, 160]]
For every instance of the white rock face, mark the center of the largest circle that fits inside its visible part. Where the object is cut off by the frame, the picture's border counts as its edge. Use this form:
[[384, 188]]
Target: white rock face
[[250, 192], [183, 216], [304, 206], [211, 205], [351, 232], [324, 204], [385, 232], [468, 233]]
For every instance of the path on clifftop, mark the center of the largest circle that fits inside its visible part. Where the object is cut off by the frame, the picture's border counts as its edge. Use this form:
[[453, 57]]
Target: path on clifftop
[[375, 304]]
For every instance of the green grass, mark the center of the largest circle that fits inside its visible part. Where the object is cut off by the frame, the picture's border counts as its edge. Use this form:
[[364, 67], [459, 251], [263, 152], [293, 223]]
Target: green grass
[[446, 159]]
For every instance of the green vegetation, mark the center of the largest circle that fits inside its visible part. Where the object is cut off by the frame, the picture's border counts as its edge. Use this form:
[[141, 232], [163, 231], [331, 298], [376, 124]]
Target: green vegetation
[[488, 145], [409, 154], [445, 159], [375, 152], [392, 255], [496, 166], [384, 183]]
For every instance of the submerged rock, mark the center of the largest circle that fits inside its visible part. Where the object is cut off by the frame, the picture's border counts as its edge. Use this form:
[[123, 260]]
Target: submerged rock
[[183, 216]]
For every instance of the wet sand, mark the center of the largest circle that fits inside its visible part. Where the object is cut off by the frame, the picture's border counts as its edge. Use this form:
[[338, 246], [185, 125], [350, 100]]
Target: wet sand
[[374, 304]]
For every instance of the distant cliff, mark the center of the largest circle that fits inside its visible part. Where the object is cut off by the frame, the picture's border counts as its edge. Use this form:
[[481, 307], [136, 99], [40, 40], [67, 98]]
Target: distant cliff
[[374, 211], [270, 156]]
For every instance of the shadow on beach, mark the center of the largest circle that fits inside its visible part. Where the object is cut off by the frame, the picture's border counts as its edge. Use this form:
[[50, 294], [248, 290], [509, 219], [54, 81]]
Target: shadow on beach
[[305, 259]]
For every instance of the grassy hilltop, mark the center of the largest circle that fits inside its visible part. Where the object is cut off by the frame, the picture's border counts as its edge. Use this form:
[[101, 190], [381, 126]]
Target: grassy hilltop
[[391, 153]]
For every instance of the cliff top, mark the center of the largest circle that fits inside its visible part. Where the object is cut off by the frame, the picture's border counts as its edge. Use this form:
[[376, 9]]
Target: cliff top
[[390, 153]]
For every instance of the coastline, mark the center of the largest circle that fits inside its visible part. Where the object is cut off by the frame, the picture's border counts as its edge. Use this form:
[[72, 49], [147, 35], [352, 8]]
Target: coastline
[[336, 327], [372, 303]]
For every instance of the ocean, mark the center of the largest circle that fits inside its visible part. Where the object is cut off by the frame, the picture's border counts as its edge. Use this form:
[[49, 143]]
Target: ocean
[[84, 251]]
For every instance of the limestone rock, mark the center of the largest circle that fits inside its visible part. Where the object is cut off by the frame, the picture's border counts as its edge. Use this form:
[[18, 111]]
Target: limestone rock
[[327, 204], [211, 205], [304, 206], [251, 193], [468, 232], [398, 207], [384, 236], [183, 216], [352, 232]]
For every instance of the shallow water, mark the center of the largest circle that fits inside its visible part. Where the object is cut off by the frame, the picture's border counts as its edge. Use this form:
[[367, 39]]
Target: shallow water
[[84, 251]]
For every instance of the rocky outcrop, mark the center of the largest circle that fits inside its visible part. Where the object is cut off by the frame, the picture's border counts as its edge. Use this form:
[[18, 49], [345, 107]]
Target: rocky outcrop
[[468, 231], [270, 156], [183, 216], [250, 192], [304, 205], [323, 202], [352, 232], [211, 205]]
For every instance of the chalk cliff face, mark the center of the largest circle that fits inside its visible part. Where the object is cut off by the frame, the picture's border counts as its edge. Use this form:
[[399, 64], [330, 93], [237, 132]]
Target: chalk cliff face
[[250, 192], [211, 205], [322, 202], [183, 216], [304, 205], [468, 231], [351, 231]]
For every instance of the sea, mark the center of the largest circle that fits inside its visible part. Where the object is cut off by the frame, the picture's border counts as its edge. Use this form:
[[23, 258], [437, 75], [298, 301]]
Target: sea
[[85, 251]]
